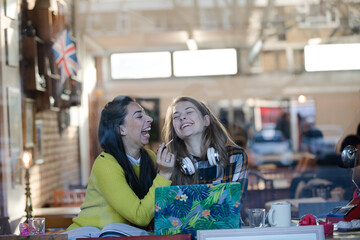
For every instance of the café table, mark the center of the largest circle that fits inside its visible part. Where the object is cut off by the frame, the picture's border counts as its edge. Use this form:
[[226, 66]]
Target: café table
[[57, 217], [344, 235], [295, 203], [35, 237], [315, 205], [337, 234]]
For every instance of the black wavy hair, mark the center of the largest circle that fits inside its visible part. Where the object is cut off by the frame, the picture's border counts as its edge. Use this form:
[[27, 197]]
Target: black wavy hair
[[350, 139], [112, 116]]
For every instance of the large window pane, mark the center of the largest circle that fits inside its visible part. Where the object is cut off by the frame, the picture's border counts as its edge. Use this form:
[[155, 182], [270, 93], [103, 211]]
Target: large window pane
[[332, 57], [140, 65], [205, 62]]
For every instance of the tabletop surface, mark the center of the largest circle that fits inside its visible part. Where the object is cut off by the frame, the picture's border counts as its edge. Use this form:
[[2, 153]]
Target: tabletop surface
[[56, 211], [344, 235]]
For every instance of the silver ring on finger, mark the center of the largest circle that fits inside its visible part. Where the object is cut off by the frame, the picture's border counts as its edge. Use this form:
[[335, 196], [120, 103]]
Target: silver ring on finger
[[167, 160]]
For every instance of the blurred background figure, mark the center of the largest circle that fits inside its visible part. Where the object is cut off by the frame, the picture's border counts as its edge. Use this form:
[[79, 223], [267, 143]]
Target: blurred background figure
[[240, 136], [312, 140], [325, 171], [283, 124]]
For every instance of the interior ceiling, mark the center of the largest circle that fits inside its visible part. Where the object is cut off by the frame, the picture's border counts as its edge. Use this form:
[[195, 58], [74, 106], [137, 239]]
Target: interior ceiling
[[149, 25]]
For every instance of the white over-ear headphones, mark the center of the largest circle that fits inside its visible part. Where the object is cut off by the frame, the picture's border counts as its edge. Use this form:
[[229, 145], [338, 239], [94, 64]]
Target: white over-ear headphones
[[188, 168]]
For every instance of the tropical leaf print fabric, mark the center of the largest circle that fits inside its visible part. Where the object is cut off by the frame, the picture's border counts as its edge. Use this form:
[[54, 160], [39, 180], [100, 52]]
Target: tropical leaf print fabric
[[187, 208]]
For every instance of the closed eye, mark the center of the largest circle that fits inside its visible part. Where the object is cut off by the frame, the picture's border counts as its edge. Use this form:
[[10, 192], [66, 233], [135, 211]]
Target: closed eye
[[176, 117], [139, 114]]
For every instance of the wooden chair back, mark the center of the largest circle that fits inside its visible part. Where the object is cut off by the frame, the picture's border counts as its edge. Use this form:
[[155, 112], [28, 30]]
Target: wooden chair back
[[257, 181], [69, 198]]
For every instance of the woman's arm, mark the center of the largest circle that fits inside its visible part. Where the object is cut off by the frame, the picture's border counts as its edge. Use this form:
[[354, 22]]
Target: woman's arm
[[111, 182]]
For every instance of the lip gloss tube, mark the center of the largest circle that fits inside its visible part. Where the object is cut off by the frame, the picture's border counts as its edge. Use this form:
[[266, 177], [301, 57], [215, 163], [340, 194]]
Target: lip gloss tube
[[167, 144]]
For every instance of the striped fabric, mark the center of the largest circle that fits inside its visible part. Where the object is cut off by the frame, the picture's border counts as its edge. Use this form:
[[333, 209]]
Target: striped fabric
[[236, 171]]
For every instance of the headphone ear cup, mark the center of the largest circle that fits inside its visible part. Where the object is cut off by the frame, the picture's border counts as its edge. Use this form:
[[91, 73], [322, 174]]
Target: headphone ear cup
[[187, 167], [209, 156], [212, 156]]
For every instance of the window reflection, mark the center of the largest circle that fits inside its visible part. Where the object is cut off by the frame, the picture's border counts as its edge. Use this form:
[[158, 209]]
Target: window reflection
[[290, 155]]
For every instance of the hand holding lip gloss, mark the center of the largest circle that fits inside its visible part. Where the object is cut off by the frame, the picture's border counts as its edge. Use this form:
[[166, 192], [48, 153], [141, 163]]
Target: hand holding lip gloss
[[165, 160], [167, 144]]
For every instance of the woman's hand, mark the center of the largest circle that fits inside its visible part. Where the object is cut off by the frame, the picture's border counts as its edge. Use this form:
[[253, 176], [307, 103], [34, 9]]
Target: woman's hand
[[165, 161]]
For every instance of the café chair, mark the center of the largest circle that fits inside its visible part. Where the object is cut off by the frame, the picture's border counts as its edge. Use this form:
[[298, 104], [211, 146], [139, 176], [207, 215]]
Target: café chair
[[299, 180], [257, 181], [260, 190], [68, 198], [77, 187]]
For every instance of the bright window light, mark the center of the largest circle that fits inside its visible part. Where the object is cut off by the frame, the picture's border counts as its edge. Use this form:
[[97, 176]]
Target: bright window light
[[301, 99], [332, 57], [191, 44], [140, 65], [205, 62]]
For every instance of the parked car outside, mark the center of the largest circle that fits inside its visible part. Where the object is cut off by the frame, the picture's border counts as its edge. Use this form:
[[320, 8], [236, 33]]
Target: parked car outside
[[269, 141]]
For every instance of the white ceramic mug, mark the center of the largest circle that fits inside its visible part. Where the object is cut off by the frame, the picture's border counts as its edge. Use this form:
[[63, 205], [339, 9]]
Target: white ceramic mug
[[280, 214]]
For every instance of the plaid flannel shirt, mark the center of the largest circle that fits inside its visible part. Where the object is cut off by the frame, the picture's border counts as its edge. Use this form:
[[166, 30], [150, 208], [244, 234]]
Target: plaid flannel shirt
[[236, 171]]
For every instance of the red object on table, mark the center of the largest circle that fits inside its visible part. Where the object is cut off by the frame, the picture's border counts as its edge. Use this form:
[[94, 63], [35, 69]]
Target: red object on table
[[309, 219], [328, 228], [346, 213]]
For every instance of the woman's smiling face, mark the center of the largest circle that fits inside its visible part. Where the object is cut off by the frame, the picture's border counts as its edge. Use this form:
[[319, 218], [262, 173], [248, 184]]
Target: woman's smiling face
[[135, 129], [188, 120]]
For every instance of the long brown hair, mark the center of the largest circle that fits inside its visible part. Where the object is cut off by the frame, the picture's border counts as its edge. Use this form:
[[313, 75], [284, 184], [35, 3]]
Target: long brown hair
[[215, 135]]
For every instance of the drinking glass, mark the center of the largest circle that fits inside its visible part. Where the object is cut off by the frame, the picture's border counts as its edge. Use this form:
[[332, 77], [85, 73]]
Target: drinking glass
[[256, 217], [37, 226]]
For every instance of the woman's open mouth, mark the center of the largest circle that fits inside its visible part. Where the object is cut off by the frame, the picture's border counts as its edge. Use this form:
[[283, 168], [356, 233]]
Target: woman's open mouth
[[145, 132], [185, 125]]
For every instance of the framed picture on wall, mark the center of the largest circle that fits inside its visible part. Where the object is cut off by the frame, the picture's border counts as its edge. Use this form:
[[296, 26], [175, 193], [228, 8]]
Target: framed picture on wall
[[10, 8], [29, 123], [11, 47], [15, 133], [39, 143]]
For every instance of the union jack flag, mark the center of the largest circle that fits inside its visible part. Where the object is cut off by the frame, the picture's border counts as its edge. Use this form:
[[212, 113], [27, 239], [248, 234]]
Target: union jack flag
[[65, 55]]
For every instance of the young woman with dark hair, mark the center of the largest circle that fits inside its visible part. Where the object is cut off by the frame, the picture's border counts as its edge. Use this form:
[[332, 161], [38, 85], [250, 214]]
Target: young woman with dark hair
[[124, 176]]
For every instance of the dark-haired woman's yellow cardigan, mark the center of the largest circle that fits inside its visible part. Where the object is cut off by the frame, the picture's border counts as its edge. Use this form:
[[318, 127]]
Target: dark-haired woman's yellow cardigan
[[109, 198]]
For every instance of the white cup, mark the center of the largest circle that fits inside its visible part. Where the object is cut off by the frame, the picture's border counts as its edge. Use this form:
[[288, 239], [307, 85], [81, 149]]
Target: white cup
[[280, 214]]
